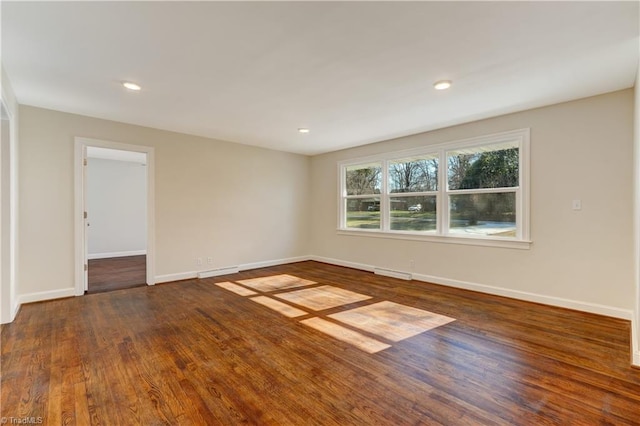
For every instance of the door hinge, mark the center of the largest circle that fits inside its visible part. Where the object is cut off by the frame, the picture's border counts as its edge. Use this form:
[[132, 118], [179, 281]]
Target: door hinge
[[85, 162], [85, 215], [86, 267]]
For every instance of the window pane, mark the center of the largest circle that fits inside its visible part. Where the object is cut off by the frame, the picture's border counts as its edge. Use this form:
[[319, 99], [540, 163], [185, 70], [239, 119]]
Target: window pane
[[491, 166], [483, 214], [363, 213], [413, 213], [364, 179], [413, 175]]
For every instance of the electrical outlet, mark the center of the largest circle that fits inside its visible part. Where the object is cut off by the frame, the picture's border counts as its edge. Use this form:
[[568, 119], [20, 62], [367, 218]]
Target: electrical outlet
[[210, 260], [412, 264], [576, 204], [199, 261]]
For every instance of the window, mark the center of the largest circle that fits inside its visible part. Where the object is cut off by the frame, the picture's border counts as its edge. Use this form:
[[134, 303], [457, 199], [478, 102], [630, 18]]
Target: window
[[413, 186], [473, 191], [483, 182]]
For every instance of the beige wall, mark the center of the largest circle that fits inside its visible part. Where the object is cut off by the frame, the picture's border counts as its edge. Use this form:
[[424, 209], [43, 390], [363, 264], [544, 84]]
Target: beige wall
[[235, 203], [579, 150]]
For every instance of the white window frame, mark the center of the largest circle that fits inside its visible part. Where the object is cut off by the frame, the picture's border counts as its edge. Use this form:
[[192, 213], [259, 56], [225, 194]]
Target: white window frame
[[521, 137]]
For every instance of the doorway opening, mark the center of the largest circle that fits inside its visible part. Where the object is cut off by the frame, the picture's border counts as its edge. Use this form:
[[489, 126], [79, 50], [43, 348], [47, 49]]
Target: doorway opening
[[116, 193], [114, 216]]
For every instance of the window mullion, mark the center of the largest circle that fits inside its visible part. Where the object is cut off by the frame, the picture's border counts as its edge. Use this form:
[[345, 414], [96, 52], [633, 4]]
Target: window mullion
[[342, 207], [355, 197], [484, 190], [519, 214], [413, 194], [385, 205]]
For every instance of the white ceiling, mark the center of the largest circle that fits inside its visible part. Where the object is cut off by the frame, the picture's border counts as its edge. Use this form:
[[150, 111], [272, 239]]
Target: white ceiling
[[353, 72]]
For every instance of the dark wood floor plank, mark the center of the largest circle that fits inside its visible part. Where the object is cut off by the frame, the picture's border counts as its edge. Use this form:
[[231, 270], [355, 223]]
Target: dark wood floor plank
[[116, 273], [194, 353], [498, 372]]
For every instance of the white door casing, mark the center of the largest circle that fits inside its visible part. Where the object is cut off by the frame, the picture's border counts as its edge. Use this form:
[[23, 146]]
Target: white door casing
[[81, 223]]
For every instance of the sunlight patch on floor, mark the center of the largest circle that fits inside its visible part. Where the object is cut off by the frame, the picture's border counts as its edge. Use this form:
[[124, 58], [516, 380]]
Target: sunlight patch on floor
[[387, 320], [236, 289], [346, 335], [275, 282], [283, 308], [323, 297], [390, 320]]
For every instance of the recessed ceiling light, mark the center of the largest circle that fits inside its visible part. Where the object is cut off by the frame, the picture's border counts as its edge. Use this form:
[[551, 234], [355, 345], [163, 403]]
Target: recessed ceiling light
[[131, 86], [442, 84], [303, 130]]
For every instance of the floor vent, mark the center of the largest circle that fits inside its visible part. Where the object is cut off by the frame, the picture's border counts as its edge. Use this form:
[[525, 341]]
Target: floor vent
[[393, 274], [218, 272]]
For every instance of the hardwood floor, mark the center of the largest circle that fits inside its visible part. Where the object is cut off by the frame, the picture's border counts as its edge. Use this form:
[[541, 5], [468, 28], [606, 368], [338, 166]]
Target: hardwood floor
[[117, 273], [195, 353]]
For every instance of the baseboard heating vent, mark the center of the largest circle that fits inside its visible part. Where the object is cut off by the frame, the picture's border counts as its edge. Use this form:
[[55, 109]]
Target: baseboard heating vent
[[393, 274], [218, 272]]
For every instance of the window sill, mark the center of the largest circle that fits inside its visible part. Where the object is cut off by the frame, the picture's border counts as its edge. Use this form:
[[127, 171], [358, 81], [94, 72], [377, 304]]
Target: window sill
[[447, 239]]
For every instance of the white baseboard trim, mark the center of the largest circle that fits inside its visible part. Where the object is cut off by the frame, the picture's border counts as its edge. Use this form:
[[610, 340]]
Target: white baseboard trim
[[69, 292], [13, 311], [393, 274], [276, 262], [116, 254], [499, 291], [218, 272], [46, 295], [338, 262], [228, 269], [593, 308], [176, 277]]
